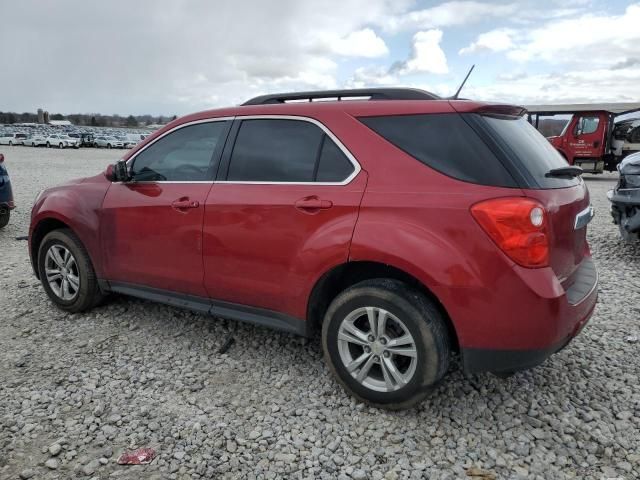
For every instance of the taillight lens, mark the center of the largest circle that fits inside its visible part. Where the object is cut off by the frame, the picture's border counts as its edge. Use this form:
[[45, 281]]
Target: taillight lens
[[518, 226]]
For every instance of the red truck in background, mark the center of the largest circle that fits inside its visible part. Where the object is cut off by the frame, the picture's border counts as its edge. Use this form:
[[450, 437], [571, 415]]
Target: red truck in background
[[591, 139]]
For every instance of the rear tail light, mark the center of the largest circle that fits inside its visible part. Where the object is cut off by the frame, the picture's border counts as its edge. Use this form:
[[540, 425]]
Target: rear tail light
[[518, 226]]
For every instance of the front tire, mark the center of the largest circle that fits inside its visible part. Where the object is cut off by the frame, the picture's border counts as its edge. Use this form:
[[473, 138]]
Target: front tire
[[66, 272], [10, 143], [386, 343], [60, 146], [5, 214], [109, 146]]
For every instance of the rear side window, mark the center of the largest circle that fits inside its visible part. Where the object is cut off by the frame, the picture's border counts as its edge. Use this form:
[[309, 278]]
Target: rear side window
[[275, 150], [446, 143], [334, 166], [535, 155]]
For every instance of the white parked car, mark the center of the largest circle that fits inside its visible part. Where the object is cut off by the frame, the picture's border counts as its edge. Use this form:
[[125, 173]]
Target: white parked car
[[62, 141], [12, 138], [108, 142], [35, 141]]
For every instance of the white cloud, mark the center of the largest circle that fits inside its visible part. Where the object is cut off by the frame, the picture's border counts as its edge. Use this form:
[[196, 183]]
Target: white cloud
[[497, 40], [598, 39], [362, 43], [448, 14], [186, 55], [575, 86], [426, 55], [370, 76]]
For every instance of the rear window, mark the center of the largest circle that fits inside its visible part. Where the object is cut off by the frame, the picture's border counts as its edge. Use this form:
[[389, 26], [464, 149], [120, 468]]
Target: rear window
[[446, 143], [533, 152]]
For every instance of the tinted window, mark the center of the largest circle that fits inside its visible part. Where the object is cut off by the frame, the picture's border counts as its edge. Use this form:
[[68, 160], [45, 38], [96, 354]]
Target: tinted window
[[272, 150], [334, 166], [183, 155], [534, 152], [444, 142]]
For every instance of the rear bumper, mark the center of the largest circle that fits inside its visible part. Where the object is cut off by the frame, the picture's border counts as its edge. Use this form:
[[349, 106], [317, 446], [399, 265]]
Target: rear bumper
[[477, 360], [538, 330]]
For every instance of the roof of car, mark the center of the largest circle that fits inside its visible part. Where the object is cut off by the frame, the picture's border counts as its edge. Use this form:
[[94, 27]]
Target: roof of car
[[358, 108], [317, 104]]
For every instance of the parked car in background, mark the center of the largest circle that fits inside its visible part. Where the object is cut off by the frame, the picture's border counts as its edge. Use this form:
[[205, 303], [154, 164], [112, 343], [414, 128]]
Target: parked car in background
[[6, 194], [86, 139], [400, 229], [71, 141], [625, 198], [36, 141], [12, 138], [61, 141], [126, 143], [107, 142]]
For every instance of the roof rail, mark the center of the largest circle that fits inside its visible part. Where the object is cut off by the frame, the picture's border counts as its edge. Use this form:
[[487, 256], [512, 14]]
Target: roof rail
[[372, 93]]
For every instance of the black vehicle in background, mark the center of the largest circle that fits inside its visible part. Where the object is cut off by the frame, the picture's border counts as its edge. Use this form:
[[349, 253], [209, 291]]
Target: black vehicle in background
[[84, 139], [625, 198], [6, 194]]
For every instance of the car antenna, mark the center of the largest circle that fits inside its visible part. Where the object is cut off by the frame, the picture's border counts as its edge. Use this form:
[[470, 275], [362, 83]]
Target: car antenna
[[455, 97]]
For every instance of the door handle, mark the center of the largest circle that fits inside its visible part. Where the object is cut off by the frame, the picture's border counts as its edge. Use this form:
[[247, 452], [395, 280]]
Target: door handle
[[184, 203], [313, 204]]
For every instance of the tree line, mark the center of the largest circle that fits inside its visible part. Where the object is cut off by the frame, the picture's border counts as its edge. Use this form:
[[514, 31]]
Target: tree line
[[88, 119]]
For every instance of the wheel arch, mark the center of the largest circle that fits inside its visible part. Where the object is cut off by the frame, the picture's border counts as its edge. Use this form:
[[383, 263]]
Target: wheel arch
[[341, 277], [42, 228]]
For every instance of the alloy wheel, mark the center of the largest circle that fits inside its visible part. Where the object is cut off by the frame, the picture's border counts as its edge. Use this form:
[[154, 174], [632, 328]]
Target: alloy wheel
[[377, 349], [62, 272]]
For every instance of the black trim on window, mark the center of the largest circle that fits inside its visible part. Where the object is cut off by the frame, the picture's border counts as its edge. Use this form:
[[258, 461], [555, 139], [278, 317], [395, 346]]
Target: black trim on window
[[223, 169], [318, 155]]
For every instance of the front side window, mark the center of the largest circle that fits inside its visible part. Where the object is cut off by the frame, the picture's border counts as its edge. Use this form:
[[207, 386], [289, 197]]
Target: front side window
[[283, 150], [185, 154], [587, 125]]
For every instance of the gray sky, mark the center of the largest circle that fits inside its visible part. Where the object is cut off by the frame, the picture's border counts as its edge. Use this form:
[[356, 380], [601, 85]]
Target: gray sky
[[178, 56]]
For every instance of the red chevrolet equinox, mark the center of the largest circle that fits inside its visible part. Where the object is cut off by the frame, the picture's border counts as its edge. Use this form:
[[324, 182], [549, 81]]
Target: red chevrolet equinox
[[401, 227]]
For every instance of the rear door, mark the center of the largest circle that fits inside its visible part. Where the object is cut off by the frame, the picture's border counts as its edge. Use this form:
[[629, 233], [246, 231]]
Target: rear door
[[151, 227], [282, 211]]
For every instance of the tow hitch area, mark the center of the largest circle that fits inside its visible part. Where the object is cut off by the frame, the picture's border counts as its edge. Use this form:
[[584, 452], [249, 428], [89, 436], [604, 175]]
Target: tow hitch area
[[625, 199]]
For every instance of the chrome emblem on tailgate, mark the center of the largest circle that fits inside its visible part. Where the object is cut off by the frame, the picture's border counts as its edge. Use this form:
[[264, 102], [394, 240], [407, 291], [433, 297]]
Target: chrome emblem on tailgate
[[584, 217]]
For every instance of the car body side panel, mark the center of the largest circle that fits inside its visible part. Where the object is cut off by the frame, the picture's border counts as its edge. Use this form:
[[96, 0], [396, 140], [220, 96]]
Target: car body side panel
[[79, 208], [419, 221], [260, 250]]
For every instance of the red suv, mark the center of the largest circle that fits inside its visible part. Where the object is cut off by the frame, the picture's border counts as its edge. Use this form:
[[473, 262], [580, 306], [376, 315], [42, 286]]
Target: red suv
[[402, 226]]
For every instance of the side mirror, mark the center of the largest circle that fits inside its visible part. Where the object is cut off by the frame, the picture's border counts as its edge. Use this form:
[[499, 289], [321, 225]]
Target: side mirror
[[117, 172]]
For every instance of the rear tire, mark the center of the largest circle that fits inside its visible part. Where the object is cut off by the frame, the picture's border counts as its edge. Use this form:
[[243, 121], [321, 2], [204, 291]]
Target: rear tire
[[410, 353], [108, 145], [83, 292], [48, 145], [10, 143], [5, 214]]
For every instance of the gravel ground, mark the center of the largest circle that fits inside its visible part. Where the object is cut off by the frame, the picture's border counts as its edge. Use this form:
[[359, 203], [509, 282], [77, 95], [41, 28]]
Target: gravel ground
[[78, 390]]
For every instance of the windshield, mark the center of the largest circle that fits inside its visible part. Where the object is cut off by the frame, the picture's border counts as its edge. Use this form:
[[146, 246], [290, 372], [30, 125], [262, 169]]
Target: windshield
[[535, 153]]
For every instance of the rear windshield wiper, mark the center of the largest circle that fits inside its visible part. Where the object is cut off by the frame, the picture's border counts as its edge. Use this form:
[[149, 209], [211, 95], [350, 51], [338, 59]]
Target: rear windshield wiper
[[570, 171]]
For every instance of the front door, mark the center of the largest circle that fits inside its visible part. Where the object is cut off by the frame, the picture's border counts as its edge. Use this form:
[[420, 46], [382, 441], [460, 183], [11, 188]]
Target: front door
[[151, 228], [587, 137], [284, 210]]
